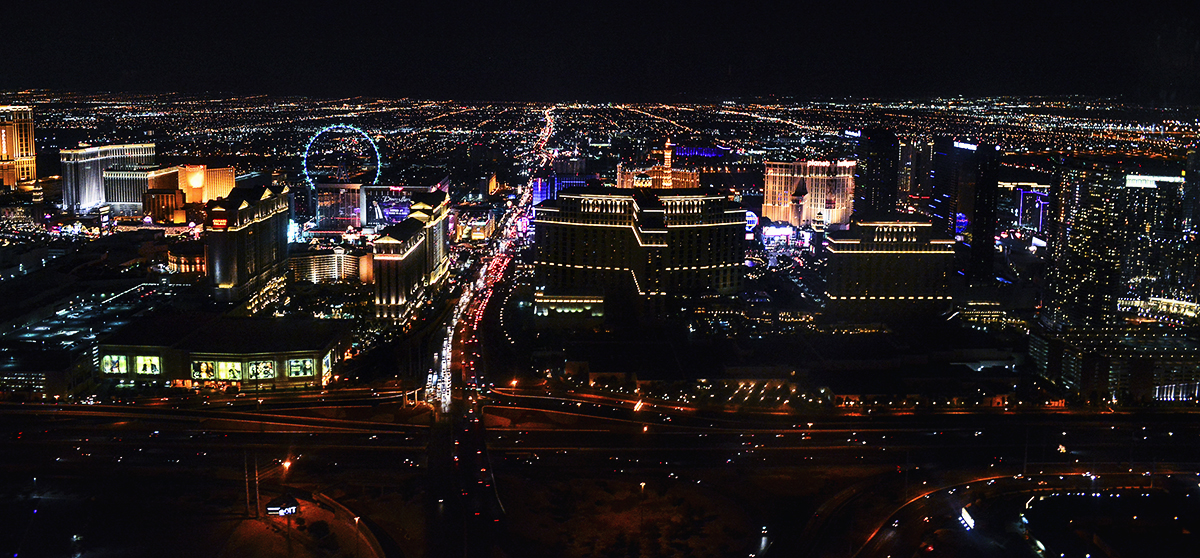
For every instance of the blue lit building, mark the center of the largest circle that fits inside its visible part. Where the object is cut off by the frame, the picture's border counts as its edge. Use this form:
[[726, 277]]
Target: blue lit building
[[964, 201]]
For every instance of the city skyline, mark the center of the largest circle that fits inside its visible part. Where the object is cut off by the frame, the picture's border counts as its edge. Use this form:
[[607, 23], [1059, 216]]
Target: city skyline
[[699, 326]]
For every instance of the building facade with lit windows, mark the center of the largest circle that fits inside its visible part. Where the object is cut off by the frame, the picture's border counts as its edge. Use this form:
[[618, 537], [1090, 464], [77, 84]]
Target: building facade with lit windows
[[1160, 255], [18, 155], [170, 350], [1083, 277], [186, 257], [809, 193], [125, 187], [83, 171], [333, 264], [1116, 238], [888, 270], [341, 206], [202, 184], [246, 245], [1191, 201], [1120, 365], [659, 177], [412, 256], [164, 205], [617, 245]]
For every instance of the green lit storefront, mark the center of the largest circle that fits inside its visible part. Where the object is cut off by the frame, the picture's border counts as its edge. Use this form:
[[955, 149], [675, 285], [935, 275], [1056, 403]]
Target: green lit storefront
[[197, 351]]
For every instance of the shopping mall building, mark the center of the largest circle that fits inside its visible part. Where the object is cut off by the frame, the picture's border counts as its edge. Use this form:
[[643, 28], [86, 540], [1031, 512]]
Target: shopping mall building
[[189, 350]]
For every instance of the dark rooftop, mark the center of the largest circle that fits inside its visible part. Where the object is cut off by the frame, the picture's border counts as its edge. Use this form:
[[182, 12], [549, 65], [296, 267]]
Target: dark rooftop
[[243, 193], [432, 199], [210, 333], [403, 230], [161, 329], [265, 335]]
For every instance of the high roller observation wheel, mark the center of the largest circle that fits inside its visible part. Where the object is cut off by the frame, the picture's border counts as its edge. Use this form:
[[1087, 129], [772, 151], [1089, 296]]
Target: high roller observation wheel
[[340, 128]]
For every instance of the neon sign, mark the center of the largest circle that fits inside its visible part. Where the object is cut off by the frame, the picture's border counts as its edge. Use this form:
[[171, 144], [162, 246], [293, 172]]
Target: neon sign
[[751, 220]]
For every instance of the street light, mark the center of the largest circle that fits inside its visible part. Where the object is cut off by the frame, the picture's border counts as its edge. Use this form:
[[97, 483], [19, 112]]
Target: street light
[[356, 536]]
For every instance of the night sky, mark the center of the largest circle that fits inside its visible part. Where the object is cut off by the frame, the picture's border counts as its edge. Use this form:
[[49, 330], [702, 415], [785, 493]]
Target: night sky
[[609, 51]]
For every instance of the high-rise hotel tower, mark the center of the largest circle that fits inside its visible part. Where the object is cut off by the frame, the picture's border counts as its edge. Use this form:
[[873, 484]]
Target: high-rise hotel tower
[[83, 171], [18, 157]]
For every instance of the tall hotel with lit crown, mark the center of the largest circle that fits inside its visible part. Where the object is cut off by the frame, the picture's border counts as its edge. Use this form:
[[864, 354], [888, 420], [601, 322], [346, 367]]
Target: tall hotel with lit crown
[[412, 255], [246, 249], [18, 157], [809, 193], [83, 171]]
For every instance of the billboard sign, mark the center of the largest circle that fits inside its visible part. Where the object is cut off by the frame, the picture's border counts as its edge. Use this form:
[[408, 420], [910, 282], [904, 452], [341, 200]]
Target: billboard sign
[[229, 371], [203, 370], [301, 368], [147, 365], [114, 364], [326, 367], [260, 370], [777, 230]]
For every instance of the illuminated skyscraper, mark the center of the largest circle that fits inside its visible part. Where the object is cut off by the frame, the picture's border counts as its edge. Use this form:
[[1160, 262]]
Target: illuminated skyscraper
[[412, 256], [809, 193], [83, 171], [18, 156], [1191, 191], [1083, 280], [247, 245], [917, 158], [877, 175], [964, 201], [201, 184], [1115, 237], [626, 248], [125, 187], [1158, 257]]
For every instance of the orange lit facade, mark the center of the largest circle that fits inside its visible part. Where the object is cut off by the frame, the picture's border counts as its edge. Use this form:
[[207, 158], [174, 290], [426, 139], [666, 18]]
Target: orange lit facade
[[202, 184], [18, 157], [809, 193], [658, 177]]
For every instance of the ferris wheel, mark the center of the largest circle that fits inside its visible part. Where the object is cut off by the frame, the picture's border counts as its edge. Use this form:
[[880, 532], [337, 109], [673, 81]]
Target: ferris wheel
[[340, 128]]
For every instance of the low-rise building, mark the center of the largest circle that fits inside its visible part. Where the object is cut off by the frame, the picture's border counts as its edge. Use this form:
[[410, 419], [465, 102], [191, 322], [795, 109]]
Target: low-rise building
[[167, 350], [1120, 365]]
